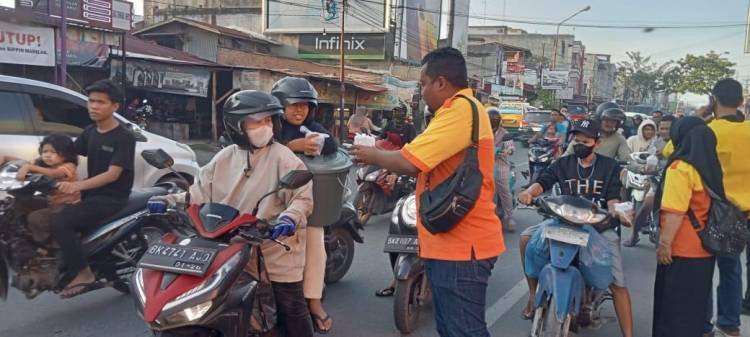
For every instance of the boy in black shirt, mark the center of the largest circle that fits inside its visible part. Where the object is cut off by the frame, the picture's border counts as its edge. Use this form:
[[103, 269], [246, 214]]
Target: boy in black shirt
[[110, 149], [593, 177]]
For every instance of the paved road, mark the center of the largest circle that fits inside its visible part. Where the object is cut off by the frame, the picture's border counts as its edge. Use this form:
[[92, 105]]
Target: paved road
[[357, 312]]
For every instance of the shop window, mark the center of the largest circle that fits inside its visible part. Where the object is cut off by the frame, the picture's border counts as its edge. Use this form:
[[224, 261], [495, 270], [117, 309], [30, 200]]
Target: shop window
[[55, 115], [11, 116]]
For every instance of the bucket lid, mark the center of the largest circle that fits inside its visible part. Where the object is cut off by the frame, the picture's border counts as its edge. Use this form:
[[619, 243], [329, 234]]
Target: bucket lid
[[336, 162]]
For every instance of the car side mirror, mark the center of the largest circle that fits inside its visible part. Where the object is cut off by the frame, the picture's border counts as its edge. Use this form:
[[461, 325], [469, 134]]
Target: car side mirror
[[295, 179], [158, 158]]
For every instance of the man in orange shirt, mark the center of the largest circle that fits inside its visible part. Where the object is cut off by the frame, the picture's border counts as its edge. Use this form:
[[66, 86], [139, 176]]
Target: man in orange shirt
[[458, 262]]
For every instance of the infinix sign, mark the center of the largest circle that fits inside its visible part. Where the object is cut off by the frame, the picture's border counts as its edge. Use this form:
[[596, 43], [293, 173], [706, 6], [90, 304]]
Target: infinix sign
[[328, 46]]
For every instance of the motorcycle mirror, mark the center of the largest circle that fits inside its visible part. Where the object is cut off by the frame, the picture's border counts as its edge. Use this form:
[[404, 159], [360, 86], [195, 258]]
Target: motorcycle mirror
[[158, 158], [295, 179], [224, 141]]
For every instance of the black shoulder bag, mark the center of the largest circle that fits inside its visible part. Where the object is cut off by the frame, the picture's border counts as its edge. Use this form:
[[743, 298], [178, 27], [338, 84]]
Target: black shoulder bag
[[443, 207], [726, 232]]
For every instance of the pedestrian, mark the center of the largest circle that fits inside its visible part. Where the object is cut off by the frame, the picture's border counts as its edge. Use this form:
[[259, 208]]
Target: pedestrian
[[664, 125], [360, 122], [503, 150], [459, 261], [300, 101], [656, 116], [685, 269], [732, 138]]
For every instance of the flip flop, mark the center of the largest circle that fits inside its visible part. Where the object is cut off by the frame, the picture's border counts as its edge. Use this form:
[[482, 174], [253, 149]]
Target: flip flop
[[80, 289], [387, 292], [318, 321], [527, 315]]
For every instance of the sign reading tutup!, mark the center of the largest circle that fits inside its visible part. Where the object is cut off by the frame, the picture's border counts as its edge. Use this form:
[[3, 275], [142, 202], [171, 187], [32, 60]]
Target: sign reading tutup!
[[356, 46], [27, 45]]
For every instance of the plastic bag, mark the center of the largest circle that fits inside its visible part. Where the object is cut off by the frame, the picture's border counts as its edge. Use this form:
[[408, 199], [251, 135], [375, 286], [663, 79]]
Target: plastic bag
[[537, 253], [596, 260]]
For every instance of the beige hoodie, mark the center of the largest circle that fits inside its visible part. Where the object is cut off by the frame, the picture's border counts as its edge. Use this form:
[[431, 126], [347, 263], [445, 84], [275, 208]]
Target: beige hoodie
[[223, 181]]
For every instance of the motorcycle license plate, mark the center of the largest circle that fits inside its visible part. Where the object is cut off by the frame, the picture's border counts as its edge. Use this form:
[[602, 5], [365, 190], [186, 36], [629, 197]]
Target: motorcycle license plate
[[567, 235], [178, 259], [401, 244]]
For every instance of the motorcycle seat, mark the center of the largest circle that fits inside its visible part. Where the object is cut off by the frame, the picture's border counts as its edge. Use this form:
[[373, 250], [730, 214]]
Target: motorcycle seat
[[136, 202]]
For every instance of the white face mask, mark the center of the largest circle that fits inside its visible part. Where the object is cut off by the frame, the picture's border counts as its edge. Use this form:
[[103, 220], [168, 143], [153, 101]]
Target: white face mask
[[260, 137]]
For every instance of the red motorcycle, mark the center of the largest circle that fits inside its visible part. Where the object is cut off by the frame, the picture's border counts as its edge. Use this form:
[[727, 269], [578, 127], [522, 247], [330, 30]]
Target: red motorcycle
[[208, 284]]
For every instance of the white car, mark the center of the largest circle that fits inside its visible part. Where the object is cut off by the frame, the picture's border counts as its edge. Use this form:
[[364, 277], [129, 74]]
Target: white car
[[31, 109]]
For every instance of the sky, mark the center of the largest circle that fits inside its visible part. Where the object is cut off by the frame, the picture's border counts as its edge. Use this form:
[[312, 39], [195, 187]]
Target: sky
[[661, 44]]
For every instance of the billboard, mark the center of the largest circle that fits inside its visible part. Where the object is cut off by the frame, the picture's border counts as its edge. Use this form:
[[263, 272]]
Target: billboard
[[27, 45], [150, 76], [318, 16], [419, 28], [356, 46], [106, 14], [554, 79]]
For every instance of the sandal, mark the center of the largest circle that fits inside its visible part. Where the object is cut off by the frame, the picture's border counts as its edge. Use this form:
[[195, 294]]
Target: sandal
[[527, 315], [79, 288], [387, 292], [318, 322]]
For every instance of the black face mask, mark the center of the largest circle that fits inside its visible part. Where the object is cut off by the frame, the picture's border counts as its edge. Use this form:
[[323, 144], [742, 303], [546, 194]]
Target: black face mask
[[582, 151]]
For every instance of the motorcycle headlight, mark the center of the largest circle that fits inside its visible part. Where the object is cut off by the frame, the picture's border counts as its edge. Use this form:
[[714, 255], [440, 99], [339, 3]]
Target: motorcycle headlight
[[187, 315], [373, 176], [409, 212], [577, 214], [544, 158], [206, 286]]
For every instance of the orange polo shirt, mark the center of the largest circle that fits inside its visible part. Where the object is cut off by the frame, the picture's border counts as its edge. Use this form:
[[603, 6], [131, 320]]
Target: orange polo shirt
[[683, 190], [438, 151]]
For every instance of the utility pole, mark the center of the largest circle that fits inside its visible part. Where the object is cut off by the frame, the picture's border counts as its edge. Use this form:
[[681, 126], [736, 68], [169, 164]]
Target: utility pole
[[557, 34], [63, 43], [342, 87], [451, 22]]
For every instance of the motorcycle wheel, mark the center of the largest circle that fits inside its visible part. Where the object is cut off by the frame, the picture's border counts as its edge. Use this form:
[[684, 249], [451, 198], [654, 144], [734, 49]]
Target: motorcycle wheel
[[545, 323], [339, 254], [133, 249], [363, 204], [406, 303], [653, 233]]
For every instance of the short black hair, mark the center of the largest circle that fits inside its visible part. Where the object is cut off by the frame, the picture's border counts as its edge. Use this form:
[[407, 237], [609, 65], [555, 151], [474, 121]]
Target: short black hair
[[555, 110], [659, 111], [63, 145], [728, 92], [564, 107], [449, 63], [668, 118], [107, 87]]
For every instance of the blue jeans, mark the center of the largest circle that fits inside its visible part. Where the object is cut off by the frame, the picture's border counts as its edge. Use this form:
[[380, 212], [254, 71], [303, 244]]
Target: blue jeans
[[459, 291], [729, 295]]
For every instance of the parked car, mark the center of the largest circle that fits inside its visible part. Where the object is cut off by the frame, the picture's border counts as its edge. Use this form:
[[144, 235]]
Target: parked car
[[30, 110]]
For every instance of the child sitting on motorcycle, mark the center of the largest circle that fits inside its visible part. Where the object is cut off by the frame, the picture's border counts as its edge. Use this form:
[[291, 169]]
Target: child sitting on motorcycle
[[300, 101], [593, 177], [240, 174], [58, 159]]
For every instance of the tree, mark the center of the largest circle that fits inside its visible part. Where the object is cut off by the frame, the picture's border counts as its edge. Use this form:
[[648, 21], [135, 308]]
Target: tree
[[638, 77], [698, 74], [546, 99]]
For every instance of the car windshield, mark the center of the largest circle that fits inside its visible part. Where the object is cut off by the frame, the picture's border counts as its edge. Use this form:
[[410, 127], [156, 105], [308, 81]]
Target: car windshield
[[537, 117], [511, 109]]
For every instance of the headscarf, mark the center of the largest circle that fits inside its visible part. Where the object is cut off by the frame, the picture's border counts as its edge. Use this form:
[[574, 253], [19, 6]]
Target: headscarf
[[638, 143], [695, 144]]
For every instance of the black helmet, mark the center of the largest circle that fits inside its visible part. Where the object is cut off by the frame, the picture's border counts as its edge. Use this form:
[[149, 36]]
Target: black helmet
[[614, 114], [605, 106], [245, 104], [290, 90]]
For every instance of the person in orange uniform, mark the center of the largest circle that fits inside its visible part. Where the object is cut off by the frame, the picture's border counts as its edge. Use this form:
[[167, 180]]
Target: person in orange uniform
[[459, 262], [685, 269]]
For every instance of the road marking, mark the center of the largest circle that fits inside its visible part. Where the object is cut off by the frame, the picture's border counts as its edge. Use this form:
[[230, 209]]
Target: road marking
[[506, 302]]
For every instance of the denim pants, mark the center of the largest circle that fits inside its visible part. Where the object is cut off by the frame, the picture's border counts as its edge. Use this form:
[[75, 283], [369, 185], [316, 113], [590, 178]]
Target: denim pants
[[459, 291], [729, 295]]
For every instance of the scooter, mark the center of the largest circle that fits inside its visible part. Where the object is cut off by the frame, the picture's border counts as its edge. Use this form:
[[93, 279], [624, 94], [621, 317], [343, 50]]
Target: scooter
[[563, 289], [375, 196], [113, 247], [541, 155], [200, 285], [412, 292], [641, 184]]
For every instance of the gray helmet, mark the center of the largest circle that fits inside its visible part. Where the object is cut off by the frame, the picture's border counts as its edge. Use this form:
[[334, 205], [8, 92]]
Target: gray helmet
[[249, 103], [605, 106], [290, 90], [613, 114]]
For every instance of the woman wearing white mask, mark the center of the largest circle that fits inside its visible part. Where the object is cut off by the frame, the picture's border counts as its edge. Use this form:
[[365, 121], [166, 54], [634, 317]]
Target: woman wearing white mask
[[240, 174]]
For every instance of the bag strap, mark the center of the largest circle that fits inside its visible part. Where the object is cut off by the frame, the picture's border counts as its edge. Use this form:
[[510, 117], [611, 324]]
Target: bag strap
[[474, 120], [693, 219]]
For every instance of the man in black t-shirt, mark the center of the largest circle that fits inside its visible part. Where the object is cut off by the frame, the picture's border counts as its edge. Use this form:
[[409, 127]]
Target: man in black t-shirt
[[593, 177], [110, 149]]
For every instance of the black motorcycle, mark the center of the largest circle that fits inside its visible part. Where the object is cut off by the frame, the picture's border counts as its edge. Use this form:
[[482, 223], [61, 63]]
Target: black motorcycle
[[375, 196], [113, 247], [411, 291], [541, 155]]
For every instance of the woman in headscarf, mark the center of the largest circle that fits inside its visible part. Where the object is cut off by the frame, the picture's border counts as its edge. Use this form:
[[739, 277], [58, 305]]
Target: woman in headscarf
[[685, 269], [645, 137]]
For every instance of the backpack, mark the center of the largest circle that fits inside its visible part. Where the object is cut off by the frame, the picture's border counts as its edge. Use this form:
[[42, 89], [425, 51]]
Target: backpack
[[726, 232]]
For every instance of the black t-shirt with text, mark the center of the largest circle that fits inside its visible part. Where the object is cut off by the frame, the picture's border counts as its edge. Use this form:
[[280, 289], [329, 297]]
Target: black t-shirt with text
[[113, 148], [600, 186]]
